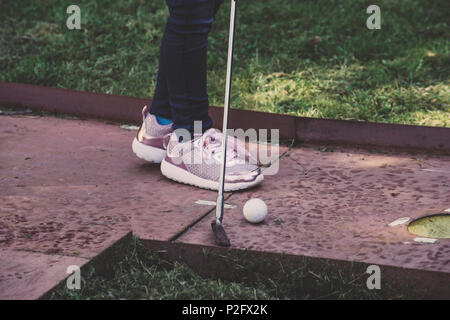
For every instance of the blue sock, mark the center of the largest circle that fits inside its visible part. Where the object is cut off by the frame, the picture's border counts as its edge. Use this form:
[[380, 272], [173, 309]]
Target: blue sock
[[163, 121]]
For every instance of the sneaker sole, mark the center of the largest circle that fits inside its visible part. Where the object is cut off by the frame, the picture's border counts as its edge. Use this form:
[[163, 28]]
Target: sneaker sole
[[177, 174], [148, 153]]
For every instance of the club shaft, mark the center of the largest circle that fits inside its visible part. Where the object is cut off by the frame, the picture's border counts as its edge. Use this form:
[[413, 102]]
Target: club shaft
[[220, 197]]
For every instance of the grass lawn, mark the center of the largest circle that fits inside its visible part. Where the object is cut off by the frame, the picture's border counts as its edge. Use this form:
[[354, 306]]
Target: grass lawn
[[308, 58]]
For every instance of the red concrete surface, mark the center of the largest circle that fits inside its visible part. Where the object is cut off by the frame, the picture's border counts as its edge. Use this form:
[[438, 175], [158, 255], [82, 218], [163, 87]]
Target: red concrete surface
[[337, 205], [69, 189], [27, 275]]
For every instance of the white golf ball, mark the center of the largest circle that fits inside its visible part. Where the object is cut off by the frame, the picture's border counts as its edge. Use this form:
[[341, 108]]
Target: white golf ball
[[255, 210]]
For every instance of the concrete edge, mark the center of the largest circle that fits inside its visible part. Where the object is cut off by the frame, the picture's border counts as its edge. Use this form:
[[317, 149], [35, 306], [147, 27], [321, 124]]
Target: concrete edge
[[214, 262], [127, 109], [100, 261]]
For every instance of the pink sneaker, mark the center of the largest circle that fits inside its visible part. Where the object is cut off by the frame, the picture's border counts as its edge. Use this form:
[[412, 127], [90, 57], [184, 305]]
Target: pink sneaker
[[151, 140], [197, 162]]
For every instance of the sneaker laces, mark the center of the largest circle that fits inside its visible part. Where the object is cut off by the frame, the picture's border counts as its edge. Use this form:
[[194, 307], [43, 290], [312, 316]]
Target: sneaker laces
[[211, 143]]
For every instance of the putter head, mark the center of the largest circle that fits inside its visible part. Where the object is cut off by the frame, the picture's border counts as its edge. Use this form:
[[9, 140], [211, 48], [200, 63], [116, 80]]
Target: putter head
[[220, 235]]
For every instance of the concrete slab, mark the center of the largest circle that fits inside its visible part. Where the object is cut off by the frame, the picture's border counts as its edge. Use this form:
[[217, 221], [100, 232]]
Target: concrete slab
[[27, 275], [74, 188], [338, 205]]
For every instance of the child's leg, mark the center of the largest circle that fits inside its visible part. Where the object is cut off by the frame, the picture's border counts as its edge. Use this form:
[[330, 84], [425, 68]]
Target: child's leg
[[160, 104], [182, 76]]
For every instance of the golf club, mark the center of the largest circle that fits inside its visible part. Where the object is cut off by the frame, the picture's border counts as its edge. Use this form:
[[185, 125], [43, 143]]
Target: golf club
[[220, 235]]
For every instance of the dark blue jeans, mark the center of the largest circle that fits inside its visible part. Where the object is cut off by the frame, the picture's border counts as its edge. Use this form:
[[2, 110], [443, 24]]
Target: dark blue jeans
[[180, 93]]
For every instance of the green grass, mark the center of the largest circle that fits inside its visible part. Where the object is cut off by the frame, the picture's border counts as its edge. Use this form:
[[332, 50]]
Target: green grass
[[130, 271], [307, 58]]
